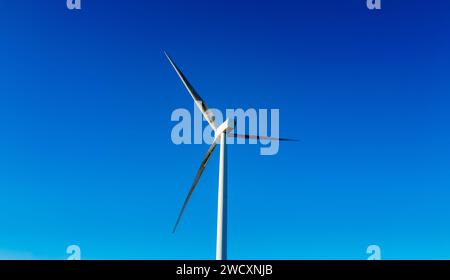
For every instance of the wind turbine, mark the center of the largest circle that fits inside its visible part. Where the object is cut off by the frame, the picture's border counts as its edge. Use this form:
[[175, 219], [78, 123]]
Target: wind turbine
[[220, 133]]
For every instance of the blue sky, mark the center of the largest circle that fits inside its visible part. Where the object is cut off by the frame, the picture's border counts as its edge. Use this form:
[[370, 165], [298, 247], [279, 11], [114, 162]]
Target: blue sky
[[86, 156]]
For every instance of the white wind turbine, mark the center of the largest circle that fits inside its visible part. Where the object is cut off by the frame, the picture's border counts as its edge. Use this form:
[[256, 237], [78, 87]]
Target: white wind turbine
[[220, 133]]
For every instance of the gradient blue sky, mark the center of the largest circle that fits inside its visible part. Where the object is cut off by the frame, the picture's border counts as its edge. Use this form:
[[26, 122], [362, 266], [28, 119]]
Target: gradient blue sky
[[85, 150]]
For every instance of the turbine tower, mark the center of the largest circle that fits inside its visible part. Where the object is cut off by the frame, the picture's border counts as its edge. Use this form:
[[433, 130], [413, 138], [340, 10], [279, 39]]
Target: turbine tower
[[220, 133]]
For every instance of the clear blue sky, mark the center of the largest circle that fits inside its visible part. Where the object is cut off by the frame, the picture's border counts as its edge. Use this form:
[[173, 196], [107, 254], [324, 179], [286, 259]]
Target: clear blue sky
[[85, 150]]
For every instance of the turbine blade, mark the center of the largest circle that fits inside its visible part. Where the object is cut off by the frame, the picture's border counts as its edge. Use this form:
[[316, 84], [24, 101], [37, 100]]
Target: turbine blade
[[197, 178], [197, 99], [247, 136]]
